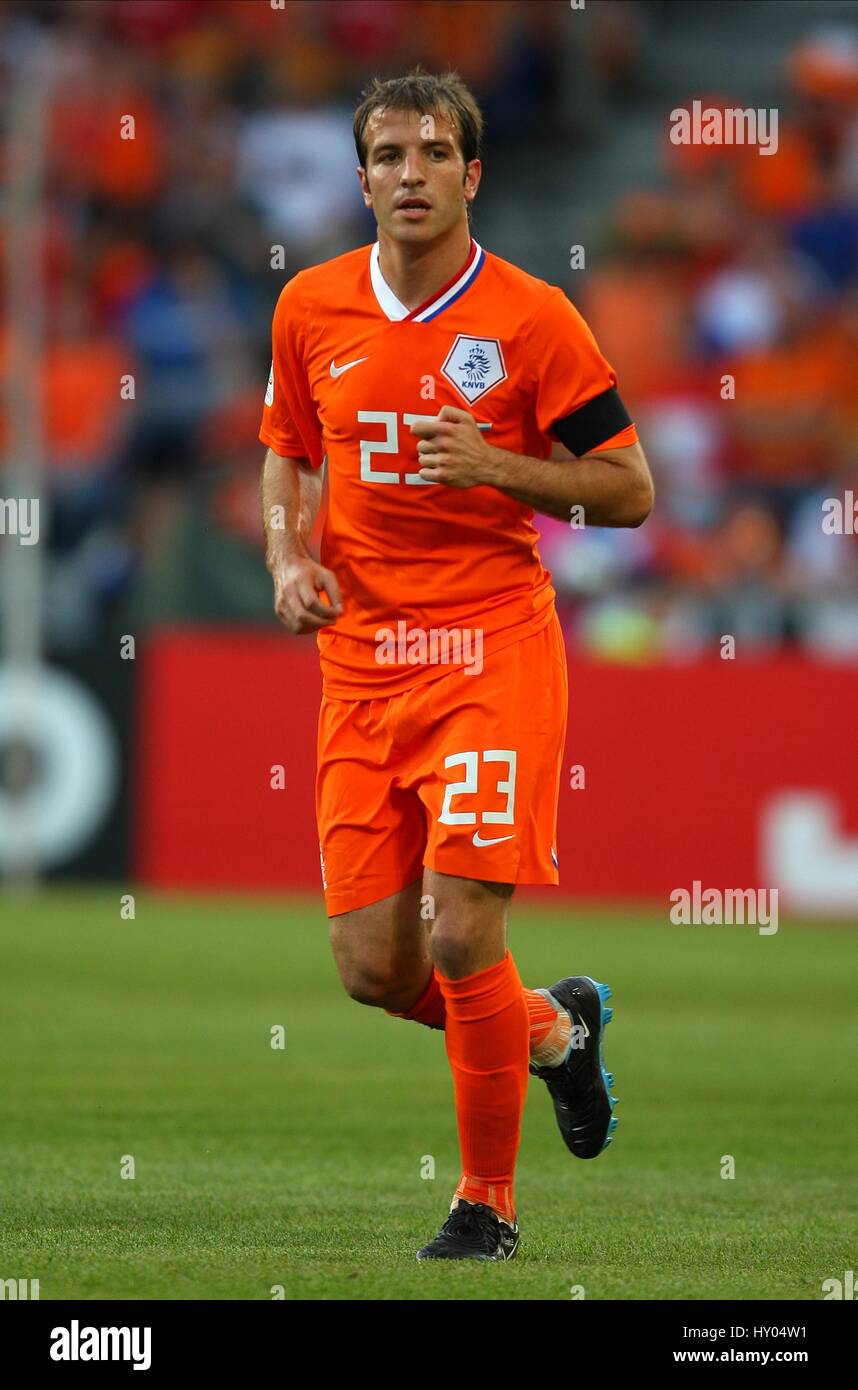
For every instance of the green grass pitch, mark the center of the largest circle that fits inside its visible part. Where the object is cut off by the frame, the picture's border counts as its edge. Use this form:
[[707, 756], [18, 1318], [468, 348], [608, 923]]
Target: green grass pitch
[[301, 1167]]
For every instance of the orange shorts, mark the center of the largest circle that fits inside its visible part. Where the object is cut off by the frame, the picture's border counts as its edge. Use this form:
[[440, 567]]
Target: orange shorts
[[460, 774]]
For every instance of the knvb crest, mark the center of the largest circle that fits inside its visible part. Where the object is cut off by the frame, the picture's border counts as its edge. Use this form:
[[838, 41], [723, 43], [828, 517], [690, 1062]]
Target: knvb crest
[[474, 366]]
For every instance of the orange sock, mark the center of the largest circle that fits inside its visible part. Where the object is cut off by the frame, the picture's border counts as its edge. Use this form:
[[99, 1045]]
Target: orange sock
[[488, 1050], [550, 1031], [429, 1008]]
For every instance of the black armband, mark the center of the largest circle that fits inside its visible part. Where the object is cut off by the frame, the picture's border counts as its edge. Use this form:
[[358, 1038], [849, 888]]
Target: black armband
[[593, 423]]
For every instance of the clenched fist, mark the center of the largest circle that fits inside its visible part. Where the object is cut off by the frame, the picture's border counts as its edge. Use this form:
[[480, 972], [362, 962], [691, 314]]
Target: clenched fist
[[299, 583]]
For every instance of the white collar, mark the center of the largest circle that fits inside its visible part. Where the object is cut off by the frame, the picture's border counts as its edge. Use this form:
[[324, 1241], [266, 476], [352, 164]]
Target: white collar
[[396, 310]]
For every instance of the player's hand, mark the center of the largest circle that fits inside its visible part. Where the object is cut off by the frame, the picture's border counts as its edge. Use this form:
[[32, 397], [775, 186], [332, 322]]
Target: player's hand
[[299, 583], [452, 450]]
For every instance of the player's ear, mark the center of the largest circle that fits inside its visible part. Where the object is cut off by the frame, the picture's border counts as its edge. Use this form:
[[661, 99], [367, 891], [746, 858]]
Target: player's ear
[[364, 186], [473, 174]]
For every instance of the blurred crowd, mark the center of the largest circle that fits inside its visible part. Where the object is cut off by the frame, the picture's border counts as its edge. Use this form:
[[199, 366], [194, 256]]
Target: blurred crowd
[[726, 295], [729, 303]]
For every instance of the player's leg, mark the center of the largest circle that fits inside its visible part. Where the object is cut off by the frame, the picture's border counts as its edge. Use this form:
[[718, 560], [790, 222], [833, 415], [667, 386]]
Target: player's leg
[[382, 953], [468, 926], [372, 835], [487, 1032], [481, 758], [487, 1039], [550, 1026], [492, 763], [570, 1060]]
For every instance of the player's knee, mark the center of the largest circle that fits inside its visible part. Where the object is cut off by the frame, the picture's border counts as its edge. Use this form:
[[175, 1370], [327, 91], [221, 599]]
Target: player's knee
[[460, 948], [452, 952], [469, 926], [376, 988], [468, 896]]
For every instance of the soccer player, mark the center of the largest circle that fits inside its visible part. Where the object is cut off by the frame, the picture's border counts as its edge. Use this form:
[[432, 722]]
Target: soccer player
[[453, 395]]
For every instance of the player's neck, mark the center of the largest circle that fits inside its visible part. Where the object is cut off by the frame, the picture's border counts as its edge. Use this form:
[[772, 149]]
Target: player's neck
[[414, 272]]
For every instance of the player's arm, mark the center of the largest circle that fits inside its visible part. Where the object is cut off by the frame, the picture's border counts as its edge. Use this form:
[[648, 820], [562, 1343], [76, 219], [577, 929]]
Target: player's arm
[[613, 486], [291, 493]]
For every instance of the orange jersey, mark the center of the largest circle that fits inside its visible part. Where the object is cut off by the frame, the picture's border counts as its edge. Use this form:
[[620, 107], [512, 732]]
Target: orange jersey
[[351, 368]]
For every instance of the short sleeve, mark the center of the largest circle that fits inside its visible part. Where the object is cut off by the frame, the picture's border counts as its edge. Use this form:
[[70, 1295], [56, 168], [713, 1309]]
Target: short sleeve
[[577, 400], [290, 424]]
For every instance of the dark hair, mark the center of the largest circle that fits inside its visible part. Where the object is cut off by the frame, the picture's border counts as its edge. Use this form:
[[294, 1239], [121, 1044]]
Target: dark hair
[[421, 91]]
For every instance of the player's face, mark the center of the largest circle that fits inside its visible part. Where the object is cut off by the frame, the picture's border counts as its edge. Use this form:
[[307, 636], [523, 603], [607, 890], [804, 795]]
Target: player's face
[[415, 179]]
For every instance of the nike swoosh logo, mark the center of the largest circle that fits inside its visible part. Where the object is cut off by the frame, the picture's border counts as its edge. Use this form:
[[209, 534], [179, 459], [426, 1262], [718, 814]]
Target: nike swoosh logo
[[583, 1023], [347, 366], [479, 842]]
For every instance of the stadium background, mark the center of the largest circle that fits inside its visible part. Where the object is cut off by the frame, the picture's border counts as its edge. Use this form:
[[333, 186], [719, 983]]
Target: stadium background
[[146, 768]]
